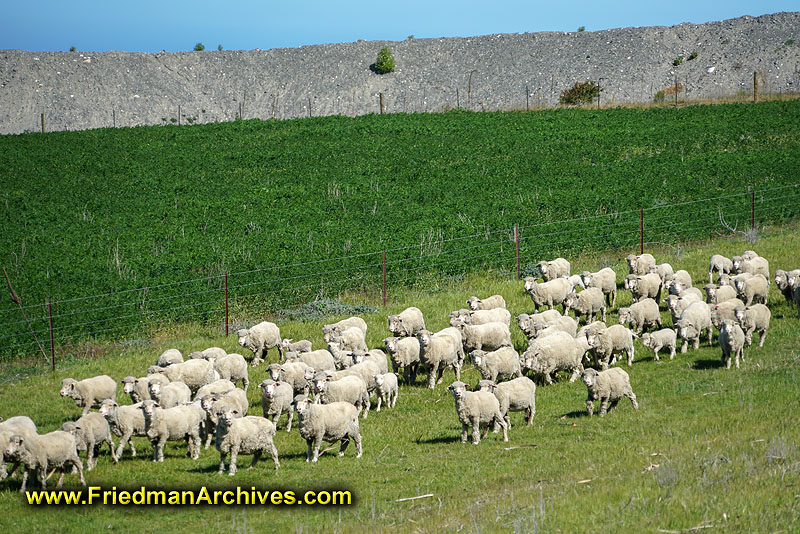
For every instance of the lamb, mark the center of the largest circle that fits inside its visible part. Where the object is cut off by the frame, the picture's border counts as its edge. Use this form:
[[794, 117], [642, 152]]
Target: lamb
[[440, 350], [218, 386], [276, 398], [753, 318], [591, 327], [90, 432], [39, 452], [757, 265], [342, 359], [753, 289], [641, 315], [407, 323], [290, 345], [476, 408], [293, 373], [586, 304], [215, 352], [677, 282], [404, 353], [563, 324], [548, 293], [640, 265], [489, 336], [168, 357], [90, 392], [344, 324], [663, 270], [235, 399], [546, 356], [514, 396], [124, 422], [259, 339], [193, 373], [231, 367], [245, 435], [496, 315], [374, 355], [502, 363], [646, 286], [720, 265], [556, 268], [337, 421], [137, 388], [364, 370], [170, 395], [731, 341], [666, 337], [489, 303], [694, 319], [724, 311], [386, 386], [526, 322], [349, 339], [605, 344], [321, 359], [350, 389], [683, 291], [606, 280], [173, 424], [716, 294], [608, 387]]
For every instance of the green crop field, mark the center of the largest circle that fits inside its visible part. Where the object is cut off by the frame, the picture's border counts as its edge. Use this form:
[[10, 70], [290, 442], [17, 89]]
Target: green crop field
[[126, 229]]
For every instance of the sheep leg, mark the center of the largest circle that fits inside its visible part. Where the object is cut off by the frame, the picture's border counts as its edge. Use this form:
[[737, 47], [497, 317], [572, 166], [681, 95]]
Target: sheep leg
[[761, 334], [343, 447], [632, 397], [380, 400], [672, 352], [589, 407], [25, 479], [234, 457], [575, 372], [613, 405], [113, 450], [159, 449], [504, 425], [630, 355], [476, 430], [246, 382], [603, 406], [310, 452], [221, 463], [357, 440], [274, 453], [696, 342], [684, 346], [317, 445], [414, 368], [432, 375], [289, 423], [464, 428], [738, 353]]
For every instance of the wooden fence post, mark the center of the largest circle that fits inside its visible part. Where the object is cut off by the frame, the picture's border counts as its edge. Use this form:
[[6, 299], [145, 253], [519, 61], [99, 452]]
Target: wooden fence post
[[527, 100], [52, 344], [516, 243], [383, 254], [382, 108], [755, 86], [42, 122], [641, 231], [752, 209], [226, 304]]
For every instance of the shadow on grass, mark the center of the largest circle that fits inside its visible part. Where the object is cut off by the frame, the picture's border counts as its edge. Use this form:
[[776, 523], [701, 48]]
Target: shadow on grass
[[574, 415], [441, 439], [707, 364]]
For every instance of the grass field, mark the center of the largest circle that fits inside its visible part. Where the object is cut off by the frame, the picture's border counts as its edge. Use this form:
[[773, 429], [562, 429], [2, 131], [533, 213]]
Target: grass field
[[709, 449]]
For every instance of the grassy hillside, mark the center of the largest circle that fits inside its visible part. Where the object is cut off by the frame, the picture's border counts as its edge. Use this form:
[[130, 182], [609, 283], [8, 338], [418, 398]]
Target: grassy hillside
[[709, 447], [106, 211]]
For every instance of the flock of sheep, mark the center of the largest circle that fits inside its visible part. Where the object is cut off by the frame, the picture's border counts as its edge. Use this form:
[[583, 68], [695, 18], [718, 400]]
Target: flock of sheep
[[198, 400]]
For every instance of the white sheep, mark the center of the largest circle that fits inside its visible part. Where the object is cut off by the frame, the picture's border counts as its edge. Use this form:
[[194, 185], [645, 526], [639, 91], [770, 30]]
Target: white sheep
[[663, 270], [644, 286], [716, 294], [38, 453], [518, 395], [291, 372], [90, 392], [476, 408], [607, 343], [489, 303], [259, 339], [753, 289], [694, 319], [495, 315], [349, 339], [753, 318], [217, 386], [124, 422], [343, 325], [575, 281], [216, 352], [193, 373], [677, 304], [666, 337], [757, 265], [19, 424], [350, 389], [608, 387], [440, 350], [606, 280], [678, 281], [640, 264], [553, 269], [526, 322], [641, 315], [173, 424], [731, 341], [245, 435], [168, 357], [364, 370], [172, 394], [137, 388], [320, 359], [342, 359], [290, 345], [387, 389], [407, 323], [548, 355], [276, 398], [231, 367], [724, 311], [404, 353], [90, 432], [375, 355], [489, 336], [794, 284], [720, 265], [564, 323], [337, 421], [587, 304], [503, 363], [548, 293], [235, 400], [782, 281]]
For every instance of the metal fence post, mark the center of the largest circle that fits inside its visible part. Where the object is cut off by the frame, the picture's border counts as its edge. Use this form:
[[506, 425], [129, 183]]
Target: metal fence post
[[52, 344], [752, 209], [641, 231], [516, 243], [383, 254], [226, 304]]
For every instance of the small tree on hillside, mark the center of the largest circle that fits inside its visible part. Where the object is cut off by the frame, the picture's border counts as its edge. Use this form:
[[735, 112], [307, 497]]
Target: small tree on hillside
[[199, 47], [580, 93], [385, 61]]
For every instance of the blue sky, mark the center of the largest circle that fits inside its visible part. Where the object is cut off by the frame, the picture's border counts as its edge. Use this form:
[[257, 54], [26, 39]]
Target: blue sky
[[175, 25]]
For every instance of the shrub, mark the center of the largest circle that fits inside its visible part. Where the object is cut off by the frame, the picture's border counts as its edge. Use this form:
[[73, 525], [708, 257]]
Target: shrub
[[677, 61], [219, 47], [582, 29], [385, 62], [692, 56], [199, 47], [71, 48], [658, 98], [580, 93]]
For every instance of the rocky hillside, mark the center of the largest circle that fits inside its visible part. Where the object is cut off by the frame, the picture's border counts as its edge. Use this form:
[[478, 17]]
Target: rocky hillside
[[79, 90]]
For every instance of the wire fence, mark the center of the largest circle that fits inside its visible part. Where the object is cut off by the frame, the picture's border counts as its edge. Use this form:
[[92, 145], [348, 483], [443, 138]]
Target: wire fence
[[237, 299]]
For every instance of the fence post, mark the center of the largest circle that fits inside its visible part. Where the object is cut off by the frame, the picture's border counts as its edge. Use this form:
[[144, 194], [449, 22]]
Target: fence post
[[458, 100], [382, 109], [383, 254], [226, 304], [42, 122], [755, 86], [752, 209], [179, 115], [527, 104], [52, 344], [114, 118], [676, 89], [641, 231], [516, 243]]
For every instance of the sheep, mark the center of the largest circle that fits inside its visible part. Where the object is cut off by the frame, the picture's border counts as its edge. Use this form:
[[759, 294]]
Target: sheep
[[235, 399], [193, 373], [731, 341], [173, 394], [606, 280], [641, 315], [137, 388], [40, 452], [320, 359], [489, 336], [196, 355], [352, 389], [375, 355], [344, 324], [168, 357], [337, 421], [20, 424], [666, 337], [586, 304], [218, 386], [244, 435], [686, 291], [716, 294], [90, 432], [349, 339], [753, 318], [476, 408], [556, 268], [216, 352], [677, 304], [757, 265], [404, 353], [720, 265], [640, 265], [724, 310], [564, 323], [231, 367], [173, 424], [782, 281], [386, 386], [694, 319], [546, 356], [502, 363], [605, 344], [526, 322], [489, 303], [342, 359], [608, 387], [514, 396], [591, 327], [794, 284], [290, 345], [364, 370], [440, 350], [124, 422], [753, 289], [407, 323], [575, 280], [645, 286], [259, 339], [90, 392], [677, 282], [496, 315], [293, 373], [663, 270], [276, 398], [548, 293]]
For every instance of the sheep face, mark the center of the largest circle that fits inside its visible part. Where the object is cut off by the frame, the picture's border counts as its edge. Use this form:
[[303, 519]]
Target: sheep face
[[486, 385], [390, 344], [301, 405], [530, 283], [458, 389], [274, 371], [631, 260], [424, 338], [15, 444], [379, 379], [149, 408], [128, 383], [647, 340], [67, 386], [207, 402], [285, 342], [320, 384], [727, 327], [589, 377], [473, 303], [569, 301], [309, 374], [393, 320], [227, 415], [624, 315], [244, 335], [586, 276], [155, 389], [687, 331], [739, 313], [591, 339], [108, 407]]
